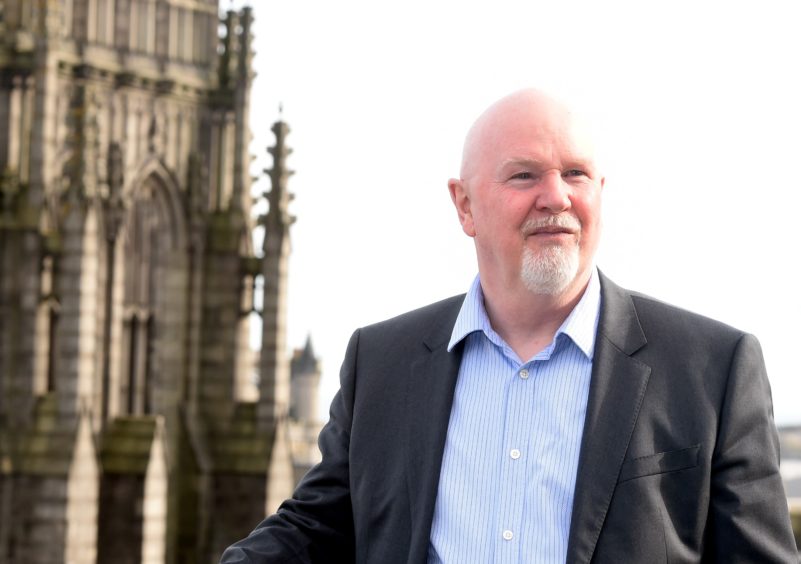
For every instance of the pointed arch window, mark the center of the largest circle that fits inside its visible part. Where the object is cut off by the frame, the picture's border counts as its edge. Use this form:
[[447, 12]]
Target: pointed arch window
[[46, 331], [138, 338], [53, 309], [146, 234], [147, 316], [132, 346]]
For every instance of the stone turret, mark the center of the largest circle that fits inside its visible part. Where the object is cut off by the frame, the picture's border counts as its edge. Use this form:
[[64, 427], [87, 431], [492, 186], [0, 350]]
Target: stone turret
[[274, 384], [273, 405], [304, 421], [305, 383]]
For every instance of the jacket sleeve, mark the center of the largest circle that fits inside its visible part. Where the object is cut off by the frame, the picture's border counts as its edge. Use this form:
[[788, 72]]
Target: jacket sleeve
[[748, 514], [316, 524]]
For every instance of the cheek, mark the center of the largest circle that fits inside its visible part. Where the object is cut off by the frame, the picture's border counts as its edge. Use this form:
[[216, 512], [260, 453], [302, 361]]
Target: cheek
[[497, 215], [513, 210], [588, 210]]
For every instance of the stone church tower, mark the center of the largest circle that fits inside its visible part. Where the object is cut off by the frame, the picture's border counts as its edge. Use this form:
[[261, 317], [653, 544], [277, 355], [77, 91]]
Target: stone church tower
[[133, 428]]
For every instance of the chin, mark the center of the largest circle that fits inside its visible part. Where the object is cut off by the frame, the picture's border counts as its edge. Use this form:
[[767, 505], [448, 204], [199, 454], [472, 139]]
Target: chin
[[549, 271]]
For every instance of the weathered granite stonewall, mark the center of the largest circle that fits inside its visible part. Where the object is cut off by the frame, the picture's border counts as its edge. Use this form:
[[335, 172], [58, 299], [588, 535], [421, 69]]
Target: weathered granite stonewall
[[136, 423]]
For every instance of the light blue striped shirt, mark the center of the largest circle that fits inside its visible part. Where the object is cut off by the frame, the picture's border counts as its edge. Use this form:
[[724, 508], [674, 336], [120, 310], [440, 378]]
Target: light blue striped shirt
[[509, 466]]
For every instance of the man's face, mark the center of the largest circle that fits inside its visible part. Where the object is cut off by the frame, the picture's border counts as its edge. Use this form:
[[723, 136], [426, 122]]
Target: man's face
[[530, 195]]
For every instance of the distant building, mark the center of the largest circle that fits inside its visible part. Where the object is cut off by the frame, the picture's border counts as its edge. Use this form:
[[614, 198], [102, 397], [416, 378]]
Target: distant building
[[304, 426], [132, 429], [790, 445]]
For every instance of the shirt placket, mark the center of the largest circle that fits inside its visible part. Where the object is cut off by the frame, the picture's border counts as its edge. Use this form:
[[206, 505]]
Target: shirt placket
[[514, 455]]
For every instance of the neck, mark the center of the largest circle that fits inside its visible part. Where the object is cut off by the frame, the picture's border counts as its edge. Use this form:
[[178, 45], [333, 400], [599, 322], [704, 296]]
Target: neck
[[529, 321]]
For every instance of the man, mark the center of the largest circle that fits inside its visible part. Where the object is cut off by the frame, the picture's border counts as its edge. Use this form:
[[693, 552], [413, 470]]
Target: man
[[547, 416]]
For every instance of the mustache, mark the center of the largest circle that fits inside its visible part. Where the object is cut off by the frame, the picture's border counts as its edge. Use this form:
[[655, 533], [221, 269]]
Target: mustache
[[562, 221]]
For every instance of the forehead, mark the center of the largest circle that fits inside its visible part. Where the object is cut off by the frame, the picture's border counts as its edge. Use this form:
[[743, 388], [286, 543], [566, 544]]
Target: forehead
[[534, 130], [538, 141], [531, 131]]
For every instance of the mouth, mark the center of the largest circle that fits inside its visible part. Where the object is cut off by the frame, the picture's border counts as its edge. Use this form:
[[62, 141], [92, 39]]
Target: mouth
[[554, 228], [552, 235], [547, 231]]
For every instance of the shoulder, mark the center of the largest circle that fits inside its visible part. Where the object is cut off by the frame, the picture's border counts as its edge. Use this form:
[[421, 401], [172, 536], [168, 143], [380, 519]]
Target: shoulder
[[383, 349], [439, 315], [420, 329], [655, 312], [662, 323]]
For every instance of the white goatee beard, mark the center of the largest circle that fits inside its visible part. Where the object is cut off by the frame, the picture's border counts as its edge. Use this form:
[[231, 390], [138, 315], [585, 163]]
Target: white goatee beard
[[549, 271]]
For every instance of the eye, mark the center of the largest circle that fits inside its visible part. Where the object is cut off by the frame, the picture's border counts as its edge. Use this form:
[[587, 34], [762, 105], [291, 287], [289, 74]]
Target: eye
[[575, 172], [521, 176]]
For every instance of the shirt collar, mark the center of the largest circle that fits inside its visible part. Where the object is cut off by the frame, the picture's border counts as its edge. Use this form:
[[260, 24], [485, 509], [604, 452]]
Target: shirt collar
[[580, 325]]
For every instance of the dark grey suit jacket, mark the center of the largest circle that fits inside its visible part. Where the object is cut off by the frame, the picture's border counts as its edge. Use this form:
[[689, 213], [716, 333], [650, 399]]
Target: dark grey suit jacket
[[678, 463]]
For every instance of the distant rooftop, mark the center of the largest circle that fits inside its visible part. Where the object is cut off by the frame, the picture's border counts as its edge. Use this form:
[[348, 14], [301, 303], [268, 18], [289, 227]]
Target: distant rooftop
[[304, 361], [790, 442], [790, 445]]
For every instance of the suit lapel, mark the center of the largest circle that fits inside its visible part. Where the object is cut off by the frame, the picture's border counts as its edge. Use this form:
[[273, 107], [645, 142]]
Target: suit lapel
[[429, 397], [616, 390]]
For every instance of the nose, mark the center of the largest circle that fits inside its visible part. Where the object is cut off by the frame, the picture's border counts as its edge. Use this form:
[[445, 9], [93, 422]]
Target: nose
[[553, 195]]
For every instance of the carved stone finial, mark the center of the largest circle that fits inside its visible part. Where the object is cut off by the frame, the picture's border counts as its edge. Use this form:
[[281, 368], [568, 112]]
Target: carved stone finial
[[279, 195], [9, 190], [113, 207], [75, 166], [197, 182], [152, 133], [114, 172]]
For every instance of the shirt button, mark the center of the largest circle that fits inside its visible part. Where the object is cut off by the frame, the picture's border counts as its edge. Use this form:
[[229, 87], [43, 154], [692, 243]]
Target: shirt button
[[508, 535], [514, 453], [523, 374]]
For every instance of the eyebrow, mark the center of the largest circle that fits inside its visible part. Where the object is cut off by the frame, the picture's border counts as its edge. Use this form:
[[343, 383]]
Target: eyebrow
[[519, 162], [571, 162]]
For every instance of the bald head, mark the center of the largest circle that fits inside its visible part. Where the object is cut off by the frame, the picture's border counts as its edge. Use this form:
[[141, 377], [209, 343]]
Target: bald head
[[528, 112]]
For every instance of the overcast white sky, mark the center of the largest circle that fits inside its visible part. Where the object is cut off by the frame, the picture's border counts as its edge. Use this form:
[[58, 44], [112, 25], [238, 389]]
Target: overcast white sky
[[700, 107]]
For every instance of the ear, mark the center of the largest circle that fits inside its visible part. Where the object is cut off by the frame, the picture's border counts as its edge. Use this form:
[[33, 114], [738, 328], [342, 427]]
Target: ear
[[461, 199]]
